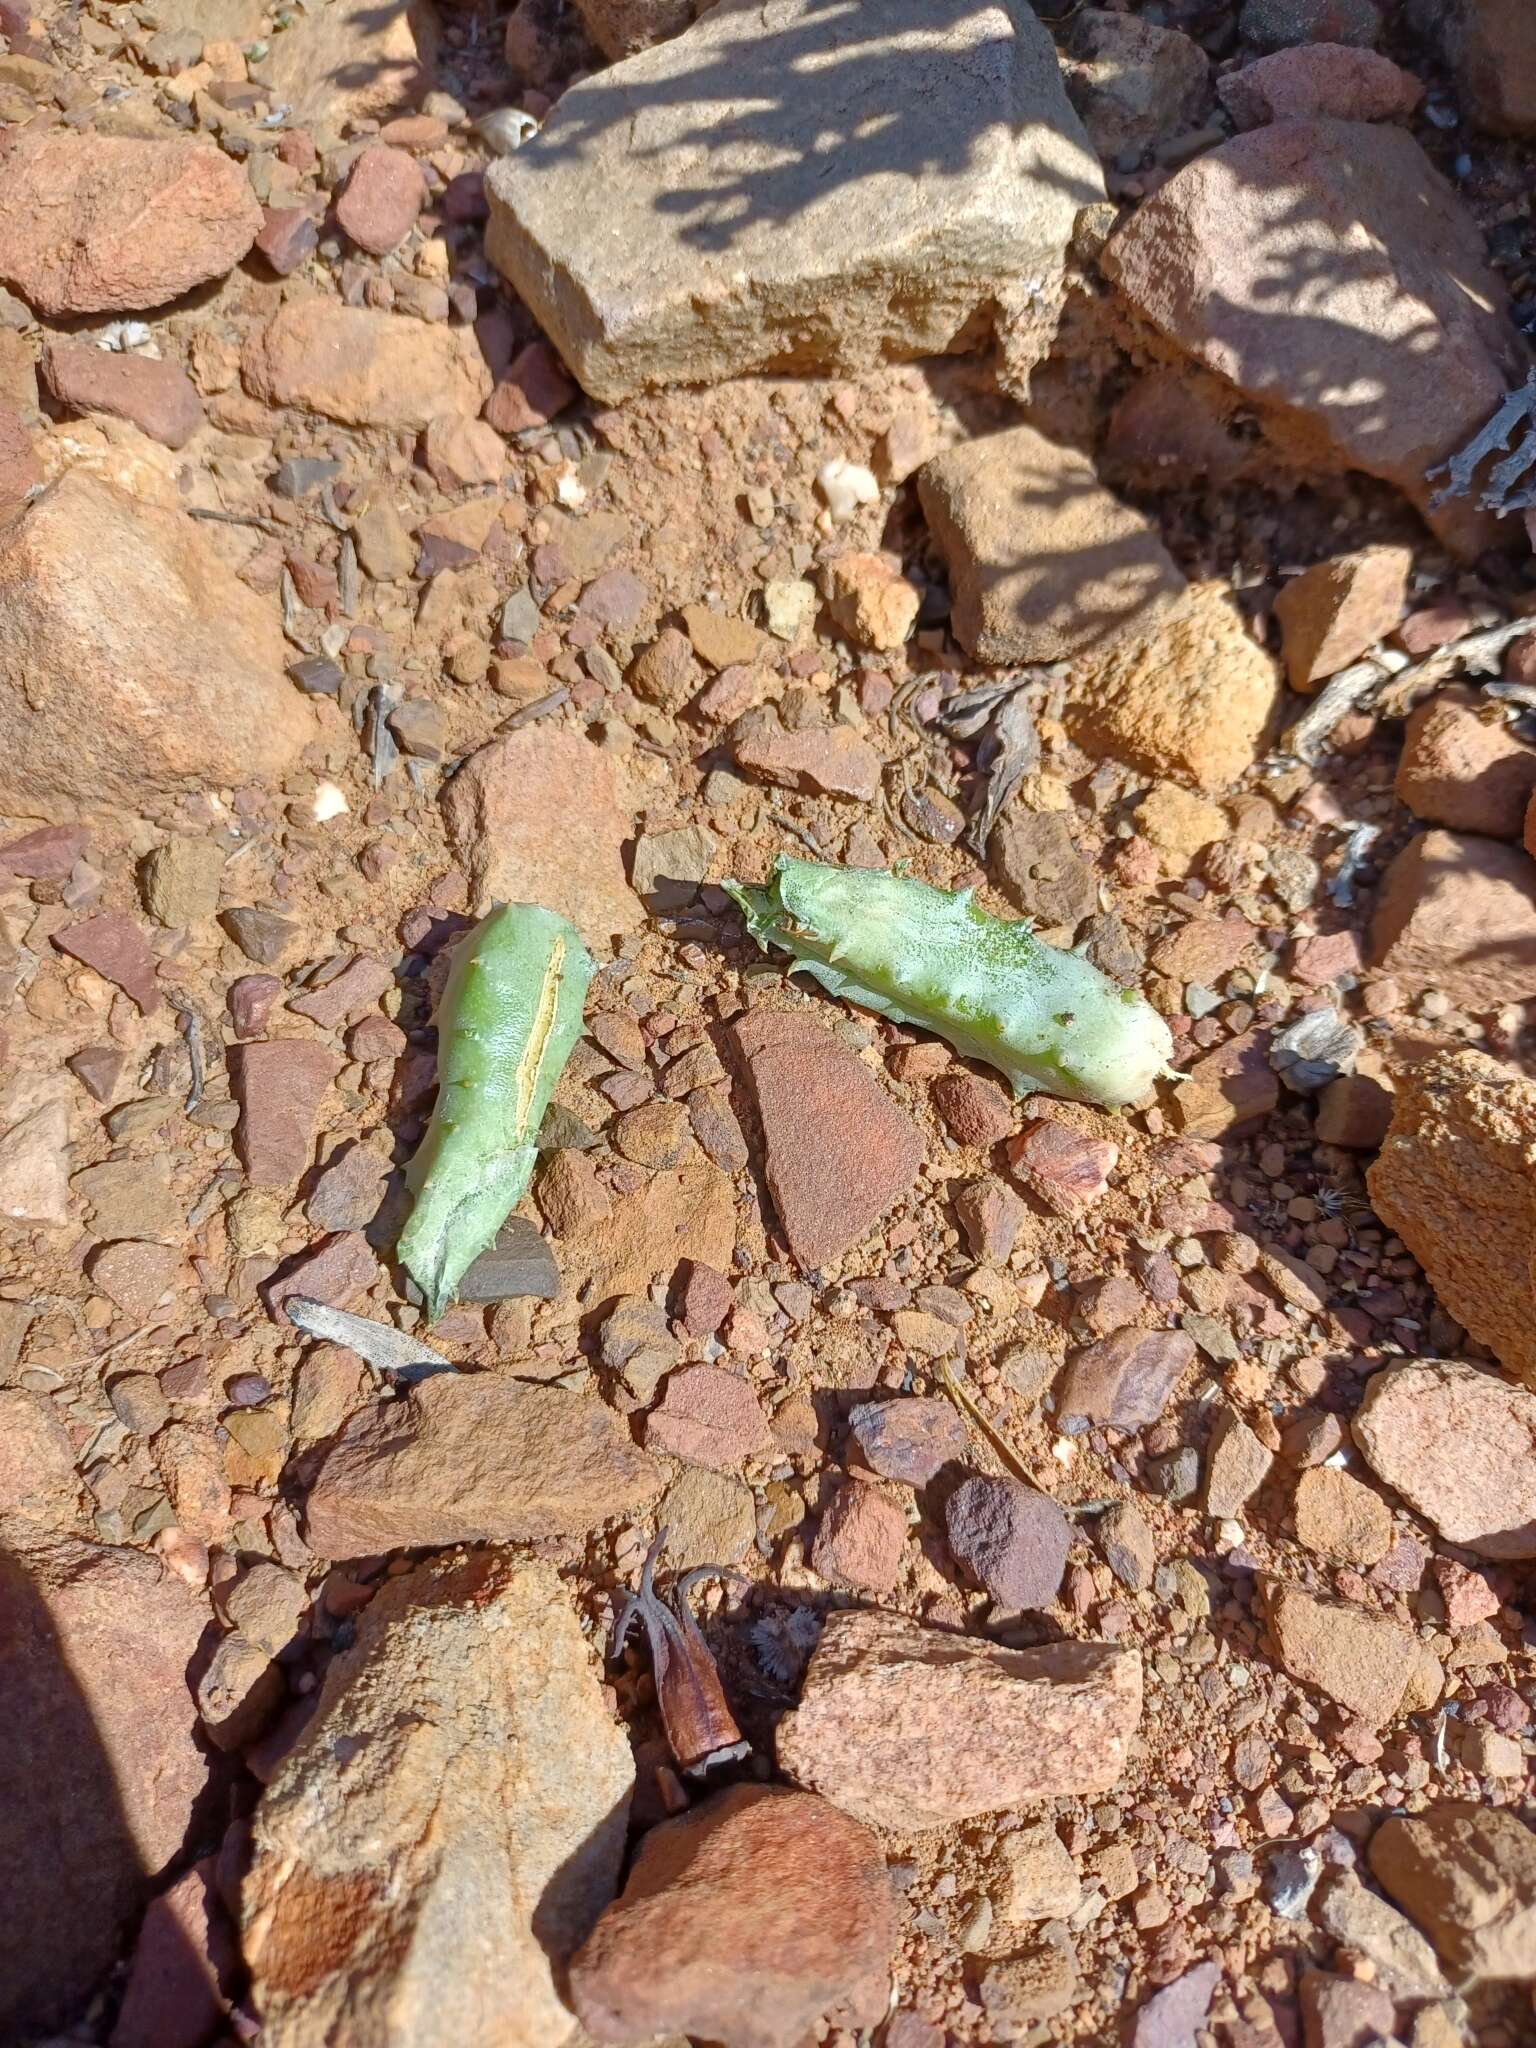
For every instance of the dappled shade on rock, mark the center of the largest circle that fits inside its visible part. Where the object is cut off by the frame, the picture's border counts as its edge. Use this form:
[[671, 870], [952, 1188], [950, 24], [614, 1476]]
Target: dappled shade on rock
[[793, 187], [1329, 273]]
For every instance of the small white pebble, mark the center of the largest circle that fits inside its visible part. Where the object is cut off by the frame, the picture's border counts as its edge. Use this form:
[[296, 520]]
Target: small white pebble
[[330, 802], [1240, 1676], [1064, 1450], [846, 486], [571, 490], [1228, 1535], [506, 129]]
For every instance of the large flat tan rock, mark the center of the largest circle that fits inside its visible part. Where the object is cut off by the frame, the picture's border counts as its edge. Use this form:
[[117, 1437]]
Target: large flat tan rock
[[448, 1828], [1456, 1179], [909, 1727], [782, 187], [133, 661]]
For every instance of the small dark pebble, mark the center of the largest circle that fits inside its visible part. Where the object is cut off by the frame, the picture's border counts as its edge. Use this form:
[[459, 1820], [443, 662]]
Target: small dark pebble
[[316, 676], [248, 1389]]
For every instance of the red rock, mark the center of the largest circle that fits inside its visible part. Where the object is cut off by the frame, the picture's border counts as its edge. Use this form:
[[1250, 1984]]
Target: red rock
[[249, 1001], [616, 600], [1331, 79], [20, 470], [1468, 1596], [375, 1038], [1230, 1087], [358, 987], [825, 761], [46, 855], [348, 1189], [336, 1271], [94, 1649], [991, 1215], [279, 1085], [1321, 959], [1459, 914], [1463, 765], [98, 1068], [464, 201], [1459, 1445], [708, 1417], [538, 817], [530, 392], [459, 452], [862, 1540], [1354, 1111], [383, 195], [976, 1111], [1200, 257], [755, 1921], [114, 947], [1436, 625], [704, 1300], [1012, 1540], [96, 223], [88, 730], [1204, 949], [1492, 46], [1068, 1171], [157, 397], [289, 237], [909, 1439], [1356, 1657], [1467, 1875], [838, 1151], [1331, 613], [1175, 2016], [475, 1458], [875, 1730], [1125, 1380], [135, 1273], [364, 368], [184, 1969]]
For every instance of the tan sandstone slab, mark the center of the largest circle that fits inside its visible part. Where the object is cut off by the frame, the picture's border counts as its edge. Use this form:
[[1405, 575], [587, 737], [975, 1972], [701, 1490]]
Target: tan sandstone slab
[[1459, 1444], [470, 1458], [177, 680], [364, 368], [449, 1826], [1456, 1179], [763, 192], [876, 1728]]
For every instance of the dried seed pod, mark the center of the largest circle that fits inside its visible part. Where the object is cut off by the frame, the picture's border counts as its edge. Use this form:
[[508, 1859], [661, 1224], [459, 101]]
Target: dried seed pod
[[1045, 1018], [510, 1014]]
